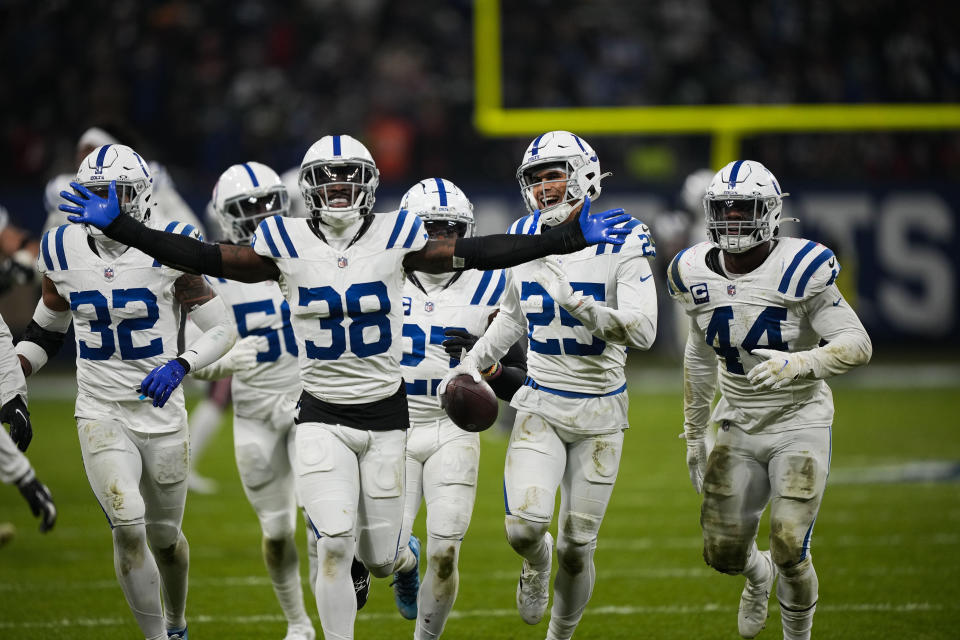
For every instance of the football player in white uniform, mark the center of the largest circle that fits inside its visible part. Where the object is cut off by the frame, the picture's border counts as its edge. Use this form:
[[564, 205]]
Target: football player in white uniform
[[581, 314], [14, 466], [442, 459], [265, 396], [126, 310], [342, 273], [759, 305]]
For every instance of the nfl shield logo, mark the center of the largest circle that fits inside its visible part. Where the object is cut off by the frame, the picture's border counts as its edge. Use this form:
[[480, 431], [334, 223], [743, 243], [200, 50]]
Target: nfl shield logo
[[108, 273], [428, 306], [341, 262], [731, 289]]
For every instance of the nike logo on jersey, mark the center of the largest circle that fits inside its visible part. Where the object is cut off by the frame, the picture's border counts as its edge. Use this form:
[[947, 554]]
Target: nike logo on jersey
[[647, 278], [838, 301]]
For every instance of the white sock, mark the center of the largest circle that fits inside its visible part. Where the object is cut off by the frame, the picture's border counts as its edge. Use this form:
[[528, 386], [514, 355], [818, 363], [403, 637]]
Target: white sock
[[336, 601], [139, 579], [756, 569], [798, 591], [204, 421], [571, 589], [406, 561], [280, 557], [174, 565], [439, 589]]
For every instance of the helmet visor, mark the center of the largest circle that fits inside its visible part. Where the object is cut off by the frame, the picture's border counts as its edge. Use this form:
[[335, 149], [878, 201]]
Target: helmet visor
[[445, 228], [338, 185], [246, 212], [126, 193]]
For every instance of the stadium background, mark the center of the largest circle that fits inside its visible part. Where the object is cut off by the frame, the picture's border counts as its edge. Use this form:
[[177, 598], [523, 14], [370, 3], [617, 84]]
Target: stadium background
[[870, 150]]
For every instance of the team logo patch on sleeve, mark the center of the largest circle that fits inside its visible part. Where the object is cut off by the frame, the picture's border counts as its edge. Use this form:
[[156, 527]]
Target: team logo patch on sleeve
[[700, 293]]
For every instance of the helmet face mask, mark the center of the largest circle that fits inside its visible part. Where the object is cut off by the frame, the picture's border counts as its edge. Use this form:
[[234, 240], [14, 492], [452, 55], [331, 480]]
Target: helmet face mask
[[742, 206], [134, 184], [245, 195], [558, 170], [443, 207], [338, 180]]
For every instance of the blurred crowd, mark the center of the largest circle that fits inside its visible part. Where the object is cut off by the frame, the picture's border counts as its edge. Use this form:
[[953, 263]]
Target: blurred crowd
[[208, 84]]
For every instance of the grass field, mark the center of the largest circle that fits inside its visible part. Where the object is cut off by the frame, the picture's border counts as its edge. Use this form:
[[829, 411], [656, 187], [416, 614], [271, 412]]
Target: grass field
[[887, 552]]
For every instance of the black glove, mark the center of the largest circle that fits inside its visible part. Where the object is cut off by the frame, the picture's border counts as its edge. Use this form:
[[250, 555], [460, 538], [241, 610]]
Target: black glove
[[39, 499], [16, 415], [458, 340]]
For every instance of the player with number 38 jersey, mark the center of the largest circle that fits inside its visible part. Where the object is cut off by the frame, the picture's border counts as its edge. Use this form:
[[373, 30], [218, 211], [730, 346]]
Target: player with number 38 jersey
[[759, 306]]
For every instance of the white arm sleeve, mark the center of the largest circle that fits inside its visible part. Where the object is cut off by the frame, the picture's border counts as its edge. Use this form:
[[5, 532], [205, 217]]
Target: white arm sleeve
[[13, 464], [508, 327], [849, 345], [634, 322], [218, 336], [46, 318], [699, 380], [12, 382]]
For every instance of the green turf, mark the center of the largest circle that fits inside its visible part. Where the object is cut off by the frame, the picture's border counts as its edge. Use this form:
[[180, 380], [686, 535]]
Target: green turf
[[887, 554]]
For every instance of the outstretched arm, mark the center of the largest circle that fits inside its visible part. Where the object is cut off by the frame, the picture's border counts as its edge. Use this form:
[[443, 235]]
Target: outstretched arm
[[180, 252], [506, 250]]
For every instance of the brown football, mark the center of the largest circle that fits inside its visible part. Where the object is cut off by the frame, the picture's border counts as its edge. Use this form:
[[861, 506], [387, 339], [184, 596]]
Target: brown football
[[471, 405]]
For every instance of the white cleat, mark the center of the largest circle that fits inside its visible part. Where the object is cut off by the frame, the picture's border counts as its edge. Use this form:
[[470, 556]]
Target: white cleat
[[752, 617], [533, 590], [300, 631]]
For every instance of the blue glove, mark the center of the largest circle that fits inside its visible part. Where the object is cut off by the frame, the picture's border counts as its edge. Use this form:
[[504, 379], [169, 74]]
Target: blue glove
[[601, 227], [162, 381], [91, 208]]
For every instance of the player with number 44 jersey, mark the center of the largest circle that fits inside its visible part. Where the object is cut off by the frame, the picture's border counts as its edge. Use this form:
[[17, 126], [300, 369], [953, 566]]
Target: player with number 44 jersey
[[580, 312], [759, 305]]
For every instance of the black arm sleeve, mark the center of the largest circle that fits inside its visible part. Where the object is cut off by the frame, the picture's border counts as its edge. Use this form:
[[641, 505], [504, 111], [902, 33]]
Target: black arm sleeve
[[50, 341], [506, 250], [512, 373], [180, 252]]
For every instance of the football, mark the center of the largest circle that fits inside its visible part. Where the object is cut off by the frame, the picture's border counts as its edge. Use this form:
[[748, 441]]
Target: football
[[471, 405]]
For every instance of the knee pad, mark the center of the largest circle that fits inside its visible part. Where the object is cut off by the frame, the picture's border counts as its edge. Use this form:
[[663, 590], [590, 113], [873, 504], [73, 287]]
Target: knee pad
[[255, 470], [448, 518], [334, 555], [787, 542], [798, 586], [580, 528], [523, 534], [382, 570], [162, 536], [574, 557], [442, 557], [726, 537], [277, 526]]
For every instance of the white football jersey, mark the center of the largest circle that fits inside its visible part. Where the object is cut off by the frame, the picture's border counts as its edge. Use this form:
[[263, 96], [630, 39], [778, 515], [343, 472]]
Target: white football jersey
[[345, 304], [466, 304], [259, 309], [771, 307], [562, 353], [125, 316]]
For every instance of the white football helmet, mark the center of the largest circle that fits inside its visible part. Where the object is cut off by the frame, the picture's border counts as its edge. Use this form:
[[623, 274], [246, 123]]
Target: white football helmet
[[438, 200], [571, 155], [747, 188], [246, 194], [134, 180], [338, 179], [694, 187]]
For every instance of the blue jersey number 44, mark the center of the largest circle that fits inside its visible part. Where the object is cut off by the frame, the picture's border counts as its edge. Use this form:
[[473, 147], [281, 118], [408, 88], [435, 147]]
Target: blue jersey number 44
[[766, 325]]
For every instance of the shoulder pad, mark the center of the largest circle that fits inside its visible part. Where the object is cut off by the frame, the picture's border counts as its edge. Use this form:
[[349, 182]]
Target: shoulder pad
[[527, 225], [489, 289], [405, 229], [638, 241], [272, 239], [53, 255], [808, 269]]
